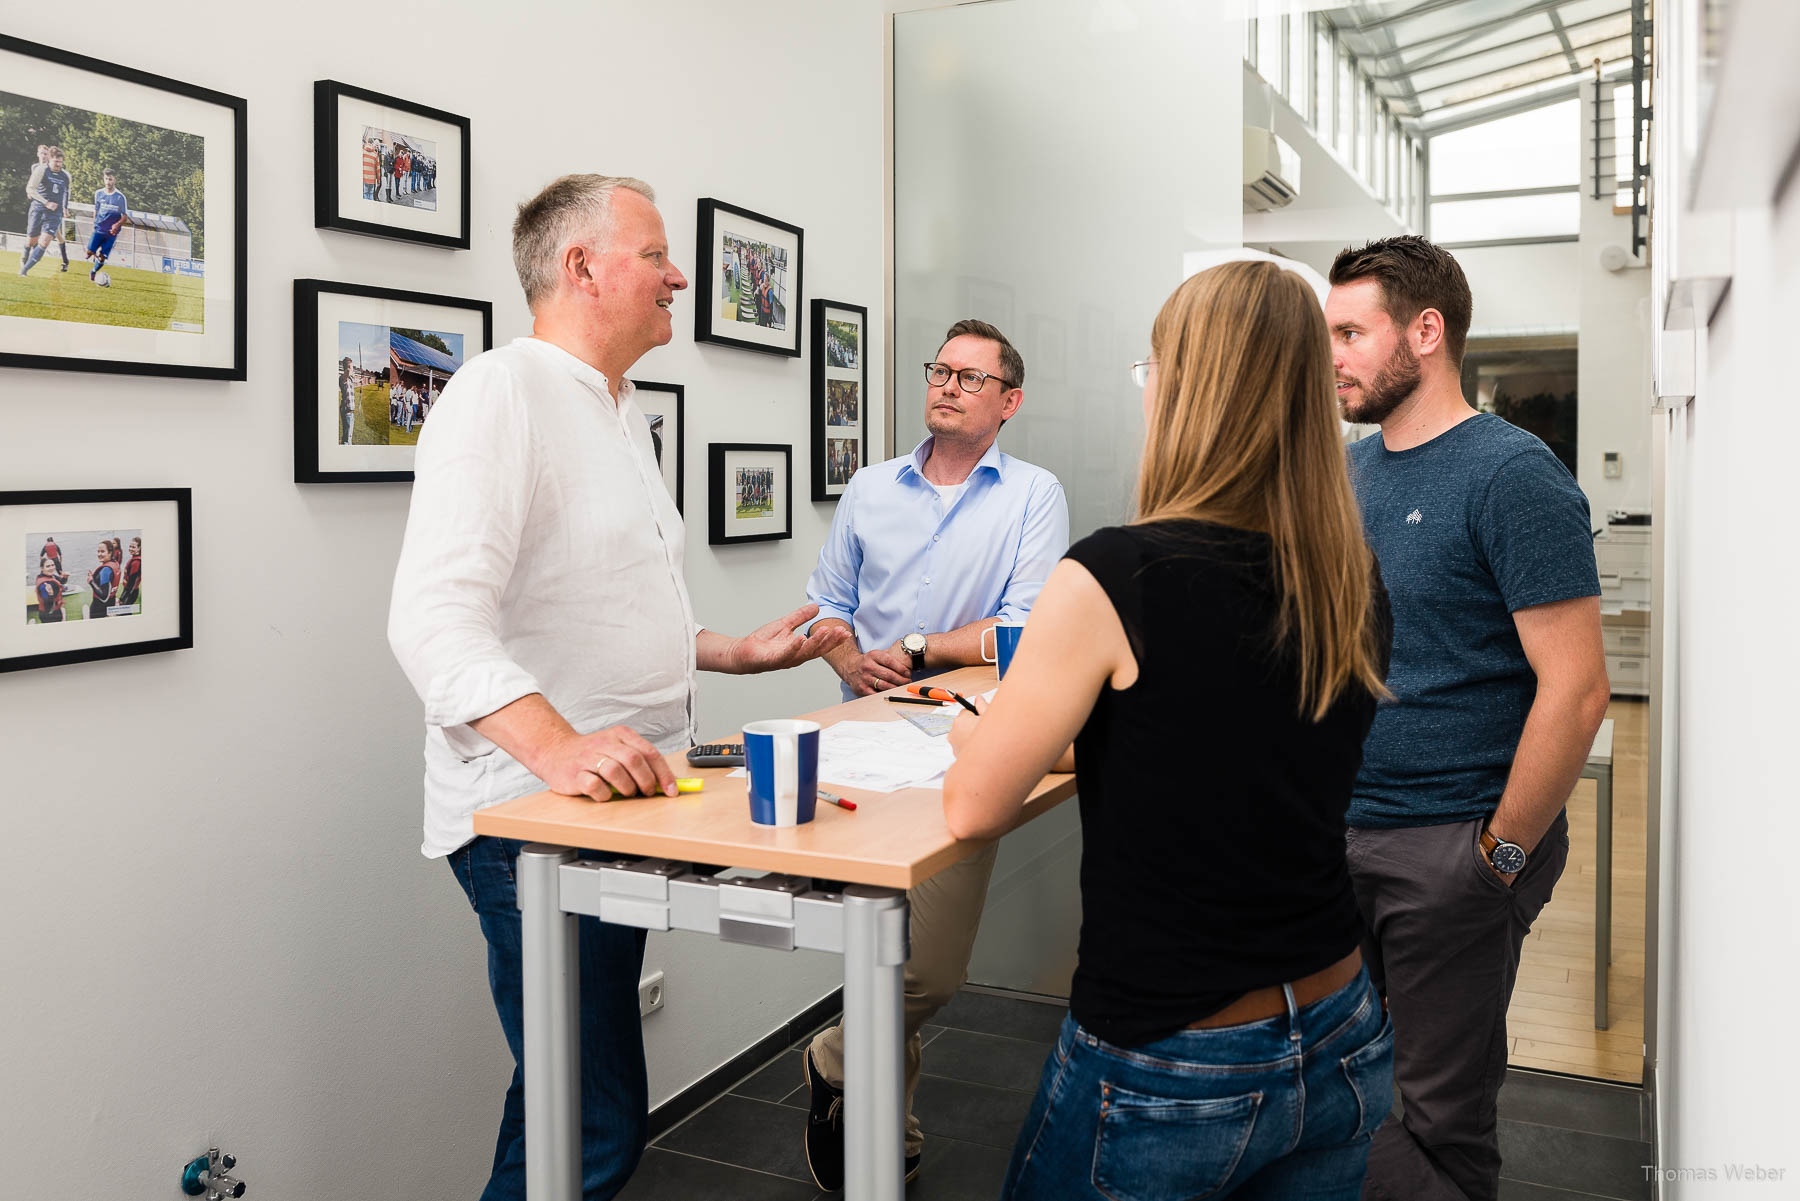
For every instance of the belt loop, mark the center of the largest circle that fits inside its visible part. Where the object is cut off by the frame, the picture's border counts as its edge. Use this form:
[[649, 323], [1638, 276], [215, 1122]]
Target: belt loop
[[1287, 990]]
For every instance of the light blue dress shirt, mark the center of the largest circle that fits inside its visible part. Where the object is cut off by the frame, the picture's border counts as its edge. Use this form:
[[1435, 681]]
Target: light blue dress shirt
[[897, 562]]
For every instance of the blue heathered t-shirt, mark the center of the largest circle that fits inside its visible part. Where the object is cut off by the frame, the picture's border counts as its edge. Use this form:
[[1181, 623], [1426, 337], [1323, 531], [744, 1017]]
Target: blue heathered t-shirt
[[1473, 525]]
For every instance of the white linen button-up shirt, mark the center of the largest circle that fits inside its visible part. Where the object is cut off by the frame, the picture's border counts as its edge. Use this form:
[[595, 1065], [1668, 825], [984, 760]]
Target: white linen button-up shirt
[[543, 554]]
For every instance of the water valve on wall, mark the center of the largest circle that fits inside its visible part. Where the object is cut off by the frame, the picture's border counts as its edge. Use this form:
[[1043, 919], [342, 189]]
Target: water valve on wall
[[210, 1174]]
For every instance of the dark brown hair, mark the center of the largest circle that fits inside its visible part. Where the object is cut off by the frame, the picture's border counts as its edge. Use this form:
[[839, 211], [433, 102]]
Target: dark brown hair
[[1012, 364], [1415, 275]]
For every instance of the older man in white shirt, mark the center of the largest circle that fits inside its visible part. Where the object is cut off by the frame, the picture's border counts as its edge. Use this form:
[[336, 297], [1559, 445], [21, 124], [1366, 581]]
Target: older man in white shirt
[[539, 611]]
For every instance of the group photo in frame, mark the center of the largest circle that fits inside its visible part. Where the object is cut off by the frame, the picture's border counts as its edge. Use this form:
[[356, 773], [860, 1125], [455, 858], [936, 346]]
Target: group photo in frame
[[123, 208], [747, 280], [107, 573], [388, 167], [840, 395], [665, 408], [369, 365], [750, 497]]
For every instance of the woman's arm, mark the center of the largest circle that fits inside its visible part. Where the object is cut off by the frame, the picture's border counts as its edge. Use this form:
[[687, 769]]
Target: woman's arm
[[1073, 647]]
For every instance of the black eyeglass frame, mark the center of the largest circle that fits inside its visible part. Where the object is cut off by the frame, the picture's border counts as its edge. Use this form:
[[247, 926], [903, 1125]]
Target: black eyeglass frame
[[958, 375]]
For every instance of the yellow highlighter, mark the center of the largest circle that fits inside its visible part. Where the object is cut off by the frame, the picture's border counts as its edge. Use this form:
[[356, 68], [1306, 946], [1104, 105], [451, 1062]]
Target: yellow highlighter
[[689, 784]]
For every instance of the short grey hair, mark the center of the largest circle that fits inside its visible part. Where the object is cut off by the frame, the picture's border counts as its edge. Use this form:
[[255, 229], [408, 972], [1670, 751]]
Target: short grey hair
[[575, 206]]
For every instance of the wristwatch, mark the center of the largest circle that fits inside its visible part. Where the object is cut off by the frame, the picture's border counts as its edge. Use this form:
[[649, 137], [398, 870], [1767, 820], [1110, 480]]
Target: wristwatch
[[914, 644], [1507, 858]]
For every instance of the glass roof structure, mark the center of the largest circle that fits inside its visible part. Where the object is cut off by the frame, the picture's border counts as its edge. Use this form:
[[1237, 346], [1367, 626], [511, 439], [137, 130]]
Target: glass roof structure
[[1438, 62]]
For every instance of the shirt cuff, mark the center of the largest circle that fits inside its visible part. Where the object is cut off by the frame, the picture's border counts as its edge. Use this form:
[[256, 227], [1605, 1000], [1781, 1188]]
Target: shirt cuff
[[829, 610], [474, 690]]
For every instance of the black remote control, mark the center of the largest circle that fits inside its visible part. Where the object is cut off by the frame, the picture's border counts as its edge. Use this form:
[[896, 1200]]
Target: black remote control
[[717, 754]]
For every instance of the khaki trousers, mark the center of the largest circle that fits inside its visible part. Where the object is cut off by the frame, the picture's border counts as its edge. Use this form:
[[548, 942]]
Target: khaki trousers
[[945, 915]]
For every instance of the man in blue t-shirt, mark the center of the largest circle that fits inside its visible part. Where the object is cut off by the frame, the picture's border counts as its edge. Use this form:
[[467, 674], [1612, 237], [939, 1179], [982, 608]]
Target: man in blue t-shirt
[[109, 217], [1457, 832]]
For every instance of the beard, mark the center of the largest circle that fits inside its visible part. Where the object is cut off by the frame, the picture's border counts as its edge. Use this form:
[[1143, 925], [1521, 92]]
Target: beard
[[1397, 380]]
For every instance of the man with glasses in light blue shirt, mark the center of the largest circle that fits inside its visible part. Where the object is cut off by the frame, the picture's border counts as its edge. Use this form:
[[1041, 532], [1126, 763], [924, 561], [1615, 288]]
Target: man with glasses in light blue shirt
[[926, 551]]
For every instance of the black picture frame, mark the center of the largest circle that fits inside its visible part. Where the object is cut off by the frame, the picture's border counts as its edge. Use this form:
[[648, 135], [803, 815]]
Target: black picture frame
[[717, 223], [316, 462], [137, 347], [330, 188], [664, 432], [835, 370], [721, 492], [63, 646]]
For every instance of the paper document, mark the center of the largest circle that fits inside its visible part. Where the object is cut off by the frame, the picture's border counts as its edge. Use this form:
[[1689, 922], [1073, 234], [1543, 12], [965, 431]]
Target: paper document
[[882, 756]]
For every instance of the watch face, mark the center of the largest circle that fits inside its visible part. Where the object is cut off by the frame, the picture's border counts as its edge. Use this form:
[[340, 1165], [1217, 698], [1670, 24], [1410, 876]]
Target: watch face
[[1508, 858], [913, 643]]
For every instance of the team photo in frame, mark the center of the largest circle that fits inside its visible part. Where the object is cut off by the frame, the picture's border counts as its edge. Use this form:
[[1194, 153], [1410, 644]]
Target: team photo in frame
[[389, 168], [747, 280], [751, 497], [107, 573], [123, 202], [369, 366], [840, 395]]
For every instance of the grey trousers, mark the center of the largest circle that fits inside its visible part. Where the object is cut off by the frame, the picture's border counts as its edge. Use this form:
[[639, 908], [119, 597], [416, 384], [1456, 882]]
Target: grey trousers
[[945, 916], [1443, 949]]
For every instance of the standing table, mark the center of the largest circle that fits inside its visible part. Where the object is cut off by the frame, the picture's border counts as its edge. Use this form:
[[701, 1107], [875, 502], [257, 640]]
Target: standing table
[[890, 843]]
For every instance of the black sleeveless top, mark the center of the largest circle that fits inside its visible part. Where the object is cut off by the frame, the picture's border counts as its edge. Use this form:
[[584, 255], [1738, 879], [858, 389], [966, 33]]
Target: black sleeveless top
[[1212, 812]]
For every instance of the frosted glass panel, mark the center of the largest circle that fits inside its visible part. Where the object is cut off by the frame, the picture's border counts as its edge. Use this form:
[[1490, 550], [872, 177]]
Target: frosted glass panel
[[1054, 160], [1105, 143]]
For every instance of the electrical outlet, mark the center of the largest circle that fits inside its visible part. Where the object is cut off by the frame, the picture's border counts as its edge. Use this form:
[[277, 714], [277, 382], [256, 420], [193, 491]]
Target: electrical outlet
[[650, 994]]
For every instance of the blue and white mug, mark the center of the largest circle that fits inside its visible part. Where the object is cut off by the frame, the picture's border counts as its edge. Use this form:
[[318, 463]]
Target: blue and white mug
[[1006, 641], [781, 758]]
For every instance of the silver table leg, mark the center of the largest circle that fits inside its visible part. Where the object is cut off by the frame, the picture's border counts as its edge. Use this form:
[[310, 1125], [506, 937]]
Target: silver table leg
[[552, 1039], [875, 952], [1603, 848]]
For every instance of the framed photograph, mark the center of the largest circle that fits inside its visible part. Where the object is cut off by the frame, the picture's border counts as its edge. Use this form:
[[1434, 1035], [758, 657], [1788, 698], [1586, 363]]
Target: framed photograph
[[752, 494], [389, 168], [122, 218], [747, 280], [107, 573], [840, 395], [665, 407], [369, 363]]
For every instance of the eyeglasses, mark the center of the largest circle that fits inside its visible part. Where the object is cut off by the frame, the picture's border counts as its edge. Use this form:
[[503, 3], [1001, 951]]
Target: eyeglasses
[[1140, 372], [968, 379]]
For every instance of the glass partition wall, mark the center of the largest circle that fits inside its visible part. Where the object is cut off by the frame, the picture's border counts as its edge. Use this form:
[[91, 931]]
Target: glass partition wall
[[1053, 161]]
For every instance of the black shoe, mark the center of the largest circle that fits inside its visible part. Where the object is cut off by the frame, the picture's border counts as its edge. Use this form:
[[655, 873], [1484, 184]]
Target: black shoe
[[912, 1167], [825, 1130]]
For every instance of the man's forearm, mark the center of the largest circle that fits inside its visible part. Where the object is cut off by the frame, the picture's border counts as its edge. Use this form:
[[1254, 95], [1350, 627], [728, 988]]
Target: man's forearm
[[1559, 732], [960, 647], [713, 651], [528, 729]]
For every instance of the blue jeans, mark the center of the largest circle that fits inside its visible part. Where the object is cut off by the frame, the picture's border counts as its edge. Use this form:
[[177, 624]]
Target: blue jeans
[[1277, 1109], [614, 1092]]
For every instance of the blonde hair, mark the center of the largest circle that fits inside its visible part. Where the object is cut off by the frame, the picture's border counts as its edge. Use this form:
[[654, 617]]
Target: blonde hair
[[1244, 432], [575, 206]]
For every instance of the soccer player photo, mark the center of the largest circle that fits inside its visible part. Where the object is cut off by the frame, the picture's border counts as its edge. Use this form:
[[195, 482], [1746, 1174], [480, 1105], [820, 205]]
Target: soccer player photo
[[118, 234]]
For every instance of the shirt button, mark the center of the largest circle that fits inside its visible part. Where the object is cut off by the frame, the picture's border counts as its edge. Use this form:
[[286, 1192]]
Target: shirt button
[[934, 537], [928, 579], [921, 625]]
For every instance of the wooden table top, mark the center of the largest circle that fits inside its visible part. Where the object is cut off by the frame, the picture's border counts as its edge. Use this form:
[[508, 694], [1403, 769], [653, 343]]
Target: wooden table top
[[893, 839]]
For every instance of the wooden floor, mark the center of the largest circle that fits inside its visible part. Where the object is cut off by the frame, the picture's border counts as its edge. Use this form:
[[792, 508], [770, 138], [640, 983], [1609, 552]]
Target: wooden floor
[[1551, 1022]]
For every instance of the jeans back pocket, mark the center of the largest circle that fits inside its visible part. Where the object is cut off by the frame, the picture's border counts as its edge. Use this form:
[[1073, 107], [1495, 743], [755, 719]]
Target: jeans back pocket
[[1370, 1071], [1162, 1149]]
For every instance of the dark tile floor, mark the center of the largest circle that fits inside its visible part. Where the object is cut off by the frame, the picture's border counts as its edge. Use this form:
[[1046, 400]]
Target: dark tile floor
[[1563, 1140]]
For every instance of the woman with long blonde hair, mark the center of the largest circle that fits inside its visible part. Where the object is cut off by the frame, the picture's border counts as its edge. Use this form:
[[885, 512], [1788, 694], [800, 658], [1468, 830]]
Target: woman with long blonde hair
[[1215, 665]]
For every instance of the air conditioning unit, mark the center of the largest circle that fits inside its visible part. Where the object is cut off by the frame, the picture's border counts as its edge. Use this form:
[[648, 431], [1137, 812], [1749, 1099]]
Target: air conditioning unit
[[1271, 171]]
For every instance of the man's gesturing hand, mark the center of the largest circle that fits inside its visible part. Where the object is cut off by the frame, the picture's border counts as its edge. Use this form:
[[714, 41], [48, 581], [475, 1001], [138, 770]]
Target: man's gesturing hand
[[616, 760], [776, 646]]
